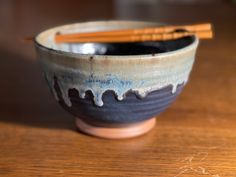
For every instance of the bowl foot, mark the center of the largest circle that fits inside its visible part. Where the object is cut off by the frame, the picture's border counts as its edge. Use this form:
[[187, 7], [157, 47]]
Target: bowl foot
[[128, 131]]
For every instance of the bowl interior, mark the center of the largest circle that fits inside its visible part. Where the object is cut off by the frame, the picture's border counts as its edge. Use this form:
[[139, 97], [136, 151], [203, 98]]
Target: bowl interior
[[46, 39], [136, 48]]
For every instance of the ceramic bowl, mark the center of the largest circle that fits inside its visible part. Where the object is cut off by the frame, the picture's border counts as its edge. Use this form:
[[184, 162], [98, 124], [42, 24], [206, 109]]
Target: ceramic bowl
[[114, 90]]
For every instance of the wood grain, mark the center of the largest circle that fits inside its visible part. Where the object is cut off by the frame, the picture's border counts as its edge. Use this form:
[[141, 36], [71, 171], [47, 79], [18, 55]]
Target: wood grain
[[195, 137]]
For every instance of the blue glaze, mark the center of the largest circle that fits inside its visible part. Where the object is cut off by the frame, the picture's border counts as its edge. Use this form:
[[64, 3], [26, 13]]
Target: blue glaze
[[130, 110]]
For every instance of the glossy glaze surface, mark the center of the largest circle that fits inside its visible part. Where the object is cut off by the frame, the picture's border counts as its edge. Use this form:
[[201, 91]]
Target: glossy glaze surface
[[117, 113], [140, 74]]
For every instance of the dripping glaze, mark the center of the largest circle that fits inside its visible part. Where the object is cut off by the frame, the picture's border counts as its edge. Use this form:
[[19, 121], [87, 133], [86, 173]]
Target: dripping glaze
[[74, 68]]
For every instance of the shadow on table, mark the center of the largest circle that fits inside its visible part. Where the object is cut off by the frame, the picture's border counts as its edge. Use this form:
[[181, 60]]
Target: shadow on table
[[25, 97]]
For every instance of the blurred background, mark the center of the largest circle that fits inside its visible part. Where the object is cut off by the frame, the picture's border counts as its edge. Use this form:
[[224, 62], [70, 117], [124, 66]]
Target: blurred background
[[38, 137], [22, 18], [24, 95]]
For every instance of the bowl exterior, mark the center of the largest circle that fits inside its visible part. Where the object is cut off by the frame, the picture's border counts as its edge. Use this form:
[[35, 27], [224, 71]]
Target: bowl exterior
[[115, 113], [115, 90]]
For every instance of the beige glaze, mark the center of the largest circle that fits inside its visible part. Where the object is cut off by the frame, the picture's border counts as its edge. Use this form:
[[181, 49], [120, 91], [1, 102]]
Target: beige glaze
[[99, 73]]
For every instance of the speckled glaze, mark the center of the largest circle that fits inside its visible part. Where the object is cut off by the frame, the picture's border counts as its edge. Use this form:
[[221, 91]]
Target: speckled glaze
[[112, 90]]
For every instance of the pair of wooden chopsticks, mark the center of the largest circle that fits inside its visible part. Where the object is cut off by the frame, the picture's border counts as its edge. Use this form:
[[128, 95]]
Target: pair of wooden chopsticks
[[163, 33]]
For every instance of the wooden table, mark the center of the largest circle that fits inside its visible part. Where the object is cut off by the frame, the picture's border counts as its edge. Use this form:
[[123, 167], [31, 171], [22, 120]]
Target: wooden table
[[195, 137]]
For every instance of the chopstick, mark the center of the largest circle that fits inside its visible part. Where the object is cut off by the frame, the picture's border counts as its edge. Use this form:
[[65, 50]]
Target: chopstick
[[203, 31], [138, 38], [155, 30]]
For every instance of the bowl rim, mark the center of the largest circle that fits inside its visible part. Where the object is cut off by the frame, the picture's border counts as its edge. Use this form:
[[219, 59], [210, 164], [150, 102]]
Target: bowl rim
[[180, 51]]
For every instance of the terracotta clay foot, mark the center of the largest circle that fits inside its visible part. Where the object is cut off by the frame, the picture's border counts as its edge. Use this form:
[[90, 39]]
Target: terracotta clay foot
[[131, 130]]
